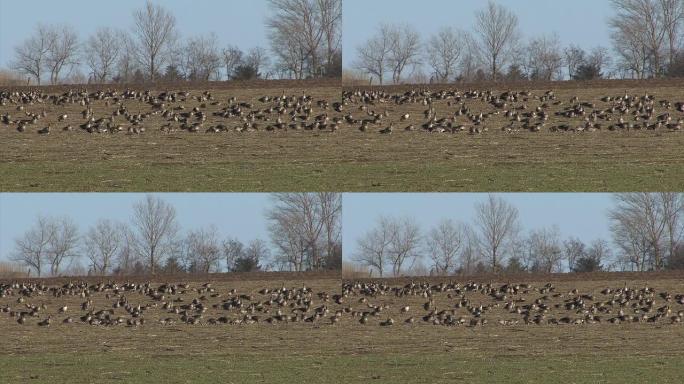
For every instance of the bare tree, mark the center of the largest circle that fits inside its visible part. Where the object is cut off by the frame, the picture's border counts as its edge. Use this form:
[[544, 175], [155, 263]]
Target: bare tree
[[673, 212], [102, 242], [331, 214], [32, 248], [574, 250], [232, 250], [673, 21], [640, 226], [444, 52], [155, 29], [544, 252], [305, 34], [126, 65], [62, 244], [254, 254], [155, 226], [331, 23], [201, 58], [404, 242], [101, 53], [203, 251], [62, 51], [127, 255], [374, 54], [404, 49], [497, 221], [641, 31], [544, 58], [232, 57], [299, 225], [257, 58], [498, 30], [373, 247], [574, 57], [31, 55], [471, 253], [444, 245], [599, 252]]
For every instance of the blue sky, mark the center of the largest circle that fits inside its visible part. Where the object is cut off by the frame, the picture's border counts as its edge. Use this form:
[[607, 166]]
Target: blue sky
[[582, 215], [235, 22], [581, 22], [235, 215]]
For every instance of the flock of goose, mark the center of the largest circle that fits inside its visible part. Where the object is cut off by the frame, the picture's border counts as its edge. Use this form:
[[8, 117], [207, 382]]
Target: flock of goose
[[137, 304], [137, 112], [435, 111], [479, 111], [469, 304], [476, 304]]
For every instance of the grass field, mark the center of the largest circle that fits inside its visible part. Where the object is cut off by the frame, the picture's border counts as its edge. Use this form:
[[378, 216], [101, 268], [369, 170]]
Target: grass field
[[345, 352], [347, 160]]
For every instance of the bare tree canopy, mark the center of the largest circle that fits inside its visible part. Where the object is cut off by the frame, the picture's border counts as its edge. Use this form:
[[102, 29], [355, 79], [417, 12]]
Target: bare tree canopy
[[392, 243], [31, 55], [645, 34], [201, 58], [647, 227], [404, 242], [62, 51], [497, 221], [303, 227], [127, 63], [445, 50], [544, 250], [102, 242], [232, 57], [373, 247], [374, 54], [32, 248], [444, 244], [404, 49], [155, 230], [498, 31], [101, 53], [544, 58], [155, 29], [203, 250], [306, 36]]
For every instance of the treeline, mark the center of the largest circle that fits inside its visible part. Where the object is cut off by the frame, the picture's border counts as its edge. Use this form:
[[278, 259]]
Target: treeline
[[304, 230], [646, 228], [646, 38], [304, 37]]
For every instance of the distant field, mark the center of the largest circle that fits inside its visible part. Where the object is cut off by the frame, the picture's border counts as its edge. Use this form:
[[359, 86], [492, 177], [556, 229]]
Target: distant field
[[347, 352], [347, 160]]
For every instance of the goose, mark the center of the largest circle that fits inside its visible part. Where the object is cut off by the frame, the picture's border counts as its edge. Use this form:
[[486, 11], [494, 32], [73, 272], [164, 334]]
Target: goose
[[46, 322], [387, 323], [388, 130], [44, 131]]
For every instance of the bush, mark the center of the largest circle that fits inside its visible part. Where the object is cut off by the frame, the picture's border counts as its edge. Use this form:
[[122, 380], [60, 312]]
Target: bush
[[245, 72], [246, 264], [587, 264], [515, 266], [587, 72], [676, 261]]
